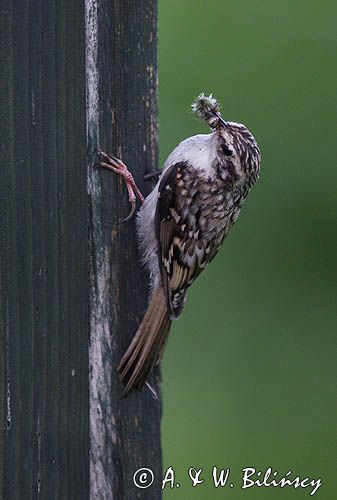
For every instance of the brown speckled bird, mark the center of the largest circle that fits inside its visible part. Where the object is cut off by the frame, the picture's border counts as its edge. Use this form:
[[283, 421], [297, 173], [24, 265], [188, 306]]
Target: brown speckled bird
[[183, 222]]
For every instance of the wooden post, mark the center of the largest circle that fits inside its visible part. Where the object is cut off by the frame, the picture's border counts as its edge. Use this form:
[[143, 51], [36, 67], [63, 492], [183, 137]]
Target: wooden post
[[121, 55], [65, 433], [44, 439]]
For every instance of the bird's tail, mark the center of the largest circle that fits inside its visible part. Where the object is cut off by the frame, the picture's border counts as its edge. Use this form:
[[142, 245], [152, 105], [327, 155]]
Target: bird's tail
[[147, 346]]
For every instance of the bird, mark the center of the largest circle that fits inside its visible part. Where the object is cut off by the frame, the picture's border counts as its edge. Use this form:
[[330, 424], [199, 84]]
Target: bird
[[182, 224]]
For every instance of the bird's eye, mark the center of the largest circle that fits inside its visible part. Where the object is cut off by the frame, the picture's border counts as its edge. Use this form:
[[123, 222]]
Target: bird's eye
[[226, 151]]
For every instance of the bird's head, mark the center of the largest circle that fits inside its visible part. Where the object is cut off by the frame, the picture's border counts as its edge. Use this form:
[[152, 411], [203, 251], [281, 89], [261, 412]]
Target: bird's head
[[236, 147]]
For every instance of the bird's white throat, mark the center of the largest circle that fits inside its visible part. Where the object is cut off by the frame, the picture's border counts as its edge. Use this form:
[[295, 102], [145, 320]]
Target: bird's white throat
[[199, 150]]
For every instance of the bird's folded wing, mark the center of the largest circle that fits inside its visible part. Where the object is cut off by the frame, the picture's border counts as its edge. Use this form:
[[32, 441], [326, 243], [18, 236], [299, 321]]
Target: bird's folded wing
[[183, 253]]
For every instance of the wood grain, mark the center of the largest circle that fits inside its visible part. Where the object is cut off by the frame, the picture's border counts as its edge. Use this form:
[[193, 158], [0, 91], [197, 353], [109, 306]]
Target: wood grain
[[44, 443], [74, 75], [121, 56]]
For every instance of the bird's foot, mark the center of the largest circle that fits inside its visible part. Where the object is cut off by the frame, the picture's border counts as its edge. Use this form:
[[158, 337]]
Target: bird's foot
[[117, 166]]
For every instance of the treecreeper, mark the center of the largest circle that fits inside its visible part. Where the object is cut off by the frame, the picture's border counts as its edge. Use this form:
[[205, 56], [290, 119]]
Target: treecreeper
[[182, 224]]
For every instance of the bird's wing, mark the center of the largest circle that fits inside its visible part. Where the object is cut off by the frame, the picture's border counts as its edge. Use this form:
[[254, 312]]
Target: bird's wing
[[183, 253]]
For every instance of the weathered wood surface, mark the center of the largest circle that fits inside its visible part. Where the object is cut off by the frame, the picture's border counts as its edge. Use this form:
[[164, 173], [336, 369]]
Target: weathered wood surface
[[52, 53], [121, 45], [44, 441]]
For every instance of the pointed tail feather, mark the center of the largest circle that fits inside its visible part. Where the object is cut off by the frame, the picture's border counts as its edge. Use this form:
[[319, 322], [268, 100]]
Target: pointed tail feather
[[147, 346]]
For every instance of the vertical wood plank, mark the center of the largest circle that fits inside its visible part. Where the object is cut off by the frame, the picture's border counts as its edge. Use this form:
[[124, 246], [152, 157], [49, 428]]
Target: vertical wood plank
[[43, 253], [44, 282], [121, 60]]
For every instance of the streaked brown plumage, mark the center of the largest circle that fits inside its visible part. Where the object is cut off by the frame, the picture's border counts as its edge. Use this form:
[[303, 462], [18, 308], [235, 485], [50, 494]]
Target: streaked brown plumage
[[182, 224]]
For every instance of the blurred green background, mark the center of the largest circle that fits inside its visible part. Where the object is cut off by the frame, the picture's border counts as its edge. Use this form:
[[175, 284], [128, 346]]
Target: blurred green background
[[250, 368]]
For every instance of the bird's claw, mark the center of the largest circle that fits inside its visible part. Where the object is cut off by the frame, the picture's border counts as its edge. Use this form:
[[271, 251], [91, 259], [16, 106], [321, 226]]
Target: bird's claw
[[116, 165], [132, 211], [151, 389]]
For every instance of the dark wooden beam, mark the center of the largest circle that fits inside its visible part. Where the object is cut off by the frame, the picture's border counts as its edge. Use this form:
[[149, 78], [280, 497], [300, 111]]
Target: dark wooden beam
[[121, 54], [44, 441], [64, 329]]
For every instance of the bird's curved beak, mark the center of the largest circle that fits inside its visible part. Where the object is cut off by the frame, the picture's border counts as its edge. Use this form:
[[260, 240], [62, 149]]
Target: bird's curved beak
[[222, 122]]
